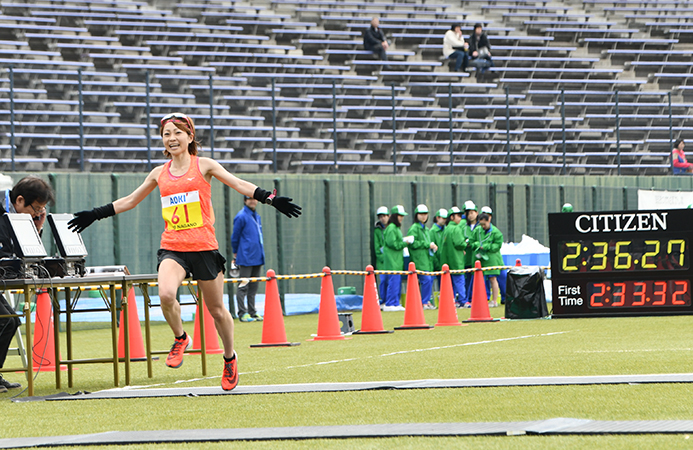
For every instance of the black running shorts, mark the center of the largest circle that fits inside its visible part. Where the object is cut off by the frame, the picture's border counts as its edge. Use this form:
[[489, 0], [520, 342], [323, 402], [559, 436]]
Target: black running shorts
[[200, 265]]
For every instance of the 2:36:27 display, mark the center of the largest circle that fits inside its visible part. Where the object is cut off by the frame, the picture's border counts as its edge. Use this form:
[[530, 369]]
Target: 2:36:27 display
[[626, 255]]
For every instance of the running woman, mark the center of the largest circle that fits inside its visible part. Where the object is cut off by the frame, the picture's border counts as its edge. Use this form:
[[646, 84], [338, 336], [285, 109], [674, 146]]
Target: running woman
[[188, 244]]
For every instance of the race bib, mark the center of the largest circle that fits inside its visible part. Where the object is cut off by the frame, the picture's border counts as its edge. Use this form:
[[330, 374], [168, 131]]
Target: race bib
[[182, 211]]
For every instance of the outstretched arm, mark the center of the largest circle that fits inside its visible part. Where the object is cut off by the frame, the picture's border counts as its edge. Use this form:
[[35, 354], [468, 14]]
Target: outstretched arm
[[211, 168], [85, 218], [130, 201]]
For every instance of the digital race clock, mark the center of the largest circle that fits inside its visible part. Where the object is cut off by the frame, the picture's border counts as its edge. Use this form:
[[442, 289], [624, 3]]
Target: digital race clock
[[621, 263]]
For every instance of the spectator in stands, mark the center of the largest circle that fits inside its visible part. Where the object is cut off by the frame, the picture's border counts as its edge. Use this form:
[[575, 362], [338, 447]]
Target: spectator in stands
[[188, 244], [681, 164], [479, 50], [567, 207], [437, 229], [247, 245], [455, 48], [422, 251], [488, 241], [374, 40], [395, 244], [453, 253], [29, 196], [379, 247], [471, 221]]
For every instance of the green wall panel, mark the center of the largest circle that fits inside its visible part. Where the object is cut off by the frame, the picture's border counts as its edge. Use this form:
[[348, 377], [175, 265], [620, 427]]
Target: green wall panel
[[338, 213]]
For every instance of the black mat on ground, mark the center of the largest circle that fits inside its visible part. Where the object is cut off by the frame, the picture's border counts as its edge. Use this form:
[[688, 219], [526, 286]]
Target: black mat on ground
[[552, 426], [192, 391], [57, 396]]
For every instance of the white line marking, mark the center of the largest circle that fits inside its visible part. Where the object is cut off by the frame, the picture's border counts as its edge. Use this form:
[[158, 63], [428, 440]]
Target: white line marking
[[473, 343], [356, 359]]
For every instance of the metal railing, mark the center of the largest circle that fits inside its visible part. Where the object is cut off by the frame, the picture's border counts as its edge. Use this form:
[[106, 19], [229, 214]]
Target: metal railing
[[395, 108]]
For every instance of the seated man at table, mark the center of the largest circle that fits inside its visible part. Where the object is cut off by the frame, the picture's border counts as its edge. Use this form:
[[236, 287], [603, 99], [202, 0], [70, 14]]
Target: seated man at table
[[29, 196]]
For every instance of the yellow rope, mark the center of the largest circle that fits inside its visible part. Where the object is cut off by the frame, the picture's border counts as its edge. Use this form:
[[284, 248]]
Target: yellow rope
[[300, 277]]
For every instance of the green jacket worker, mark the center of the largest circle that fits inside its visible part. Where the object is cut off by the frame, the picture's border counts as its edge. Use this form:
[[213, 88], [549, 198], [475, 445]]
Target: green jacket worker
[[383, 215], [422, 251], [436, 232], [469, 224], [453, 252], [379, 235], [394, 257], [488, 241]]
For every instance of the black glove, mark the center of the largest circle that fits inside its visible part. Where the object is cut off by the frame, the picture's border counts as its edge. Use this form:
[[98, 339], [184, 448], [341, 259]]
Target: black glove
[[283, 204], [83, 219]]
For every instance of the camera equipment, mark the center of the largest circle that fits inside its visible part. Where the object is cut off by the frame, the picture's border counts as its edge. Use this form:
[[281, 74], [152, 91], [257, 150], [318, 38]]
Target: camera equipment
[[27, 246], [70, 245]]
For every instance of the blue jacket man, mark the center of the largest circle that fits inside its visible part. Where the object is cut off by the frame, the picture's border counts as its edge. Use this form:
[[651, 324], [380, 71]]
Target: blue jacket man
[[249, 255]]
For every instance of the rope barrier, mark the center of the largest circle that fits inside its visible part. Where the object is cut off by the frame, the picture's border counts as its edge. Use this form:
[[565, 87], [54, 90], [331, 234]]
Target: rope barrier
[[300, 277], [295, 277], [350, 272]]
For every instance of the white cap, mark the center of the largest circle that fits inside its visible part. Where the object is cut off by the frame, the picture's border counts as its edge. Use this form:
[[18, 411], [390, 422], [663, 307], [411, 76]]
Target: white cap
[[486, 209], [382, 210], [469, 206], [421, 209], [398, 209], [454, 210]]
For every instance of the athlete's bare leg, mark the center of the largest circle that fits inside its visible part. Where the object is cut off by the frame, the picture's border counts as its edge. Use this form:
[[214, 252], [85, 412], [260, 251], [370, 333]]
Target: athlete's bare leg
[[171, 275], [213, 295]]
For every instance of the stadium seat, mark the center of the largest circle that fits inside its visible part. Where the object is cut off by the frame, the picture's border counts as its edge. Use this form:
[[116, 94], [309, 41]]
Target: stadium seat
[[541, 50]]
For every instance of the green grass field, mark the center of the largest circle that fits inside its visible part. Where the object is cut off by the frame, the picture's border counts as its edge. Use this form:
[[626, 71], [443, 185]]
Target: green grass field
[[641, 345]]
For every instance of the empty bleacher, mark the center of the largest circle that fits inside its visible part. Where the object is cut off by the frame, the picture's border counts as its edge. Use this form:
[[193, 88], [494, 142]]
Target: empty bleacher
[[84, 83]]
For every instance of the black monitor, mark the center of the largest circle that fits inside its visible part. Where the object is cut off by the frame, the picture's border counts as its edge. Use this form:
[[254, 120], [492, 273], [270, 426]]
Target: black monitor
[[70, 244], [27, 240]]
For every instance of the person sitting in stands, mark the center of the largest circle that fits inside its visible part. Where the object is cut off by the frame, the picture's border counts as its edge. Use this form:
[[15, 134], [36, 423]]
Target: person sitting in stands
[[681, 164], [455, 48], [480, 50], [374, 40]]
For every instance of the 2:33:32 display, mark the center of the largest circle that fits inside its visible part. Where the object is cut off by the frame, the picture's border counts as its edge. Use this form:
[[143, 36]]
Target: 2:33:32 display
[[634, 294]]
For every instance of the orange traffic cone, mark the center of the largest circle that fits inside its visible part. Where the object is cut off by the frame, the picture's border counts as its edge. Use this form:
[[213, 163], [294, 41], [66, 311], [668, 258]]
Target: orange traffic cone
[[43, 350], [211, 335], [328, 320], [273, 332], [134, 329], [447, 312], [413, 309], [371, 319], [480, 311]]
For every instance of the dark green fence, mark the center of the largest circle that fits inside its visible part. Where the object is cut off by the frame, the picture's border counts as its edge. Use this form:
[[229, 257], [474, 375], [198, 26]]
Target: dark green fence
[[338, 213]]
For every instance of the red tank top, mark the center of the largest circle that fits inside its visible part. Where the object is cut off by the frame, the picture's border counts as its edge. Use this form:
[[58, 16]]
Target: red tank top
[[186, 206]]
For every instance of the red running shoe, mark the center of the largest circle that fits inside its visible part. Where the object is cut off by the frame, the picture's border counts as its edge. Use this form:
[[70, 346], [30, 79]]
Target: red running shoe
[[175, 356], [229, 378]]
